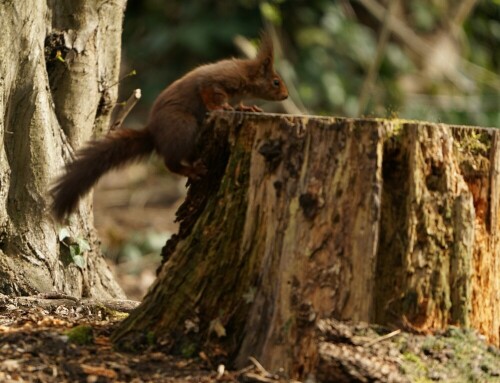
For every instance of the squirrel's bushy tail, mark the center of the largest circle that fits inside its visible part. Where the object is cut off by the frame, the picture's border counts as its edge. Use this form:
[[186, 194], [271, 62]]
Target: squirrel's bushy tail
[[92, 161]]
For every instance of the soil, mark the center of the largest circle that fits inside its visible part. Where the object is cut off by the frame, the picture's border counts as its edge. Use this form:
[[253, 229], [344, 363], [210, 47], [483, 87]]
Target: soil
[[72, 344]]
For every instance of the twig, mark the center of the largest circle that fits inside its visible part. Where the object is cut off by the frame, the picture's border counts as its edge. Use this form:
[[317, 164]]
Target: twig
[[125, 110], [371, 76], [244, 370], [422, 48], [245, 46], [259, 367], [56, 295], [410, 38], [462, 12], [130, 74], [220, 371], [383, 337], [255, 378]]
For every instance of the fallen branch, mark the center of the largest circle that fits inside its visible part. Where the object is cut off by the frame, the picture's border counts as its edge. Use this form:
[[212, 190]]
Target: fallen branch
[[53, 301], [382, 338]]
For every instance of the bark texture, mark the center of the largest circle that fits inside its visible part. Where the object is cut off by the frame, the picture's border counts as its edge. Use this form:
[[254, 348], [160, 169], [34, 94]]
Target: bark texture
[[59, 59], [303, 218]]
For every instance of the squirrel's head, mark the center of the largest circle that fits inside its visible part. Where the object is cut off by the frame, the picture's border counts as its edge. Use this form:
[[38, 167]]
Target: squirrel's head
[[266, 83]]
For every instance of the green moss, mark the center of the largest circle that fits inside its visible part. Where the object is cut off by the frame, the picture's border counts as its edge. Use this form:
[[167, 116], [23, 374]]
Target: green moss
[[188, 349], [474, 142], [432, 344], [150, 338], [287, 326], [422, 380], [457, 355], [397, 129], [414, 366], [411, 357], [82, 335]]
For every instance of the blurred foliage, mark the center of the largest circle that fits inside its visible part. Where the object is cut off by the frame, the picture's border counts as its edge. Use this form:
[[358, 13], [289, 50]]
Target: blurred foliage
[[136, 246], [445, 72]]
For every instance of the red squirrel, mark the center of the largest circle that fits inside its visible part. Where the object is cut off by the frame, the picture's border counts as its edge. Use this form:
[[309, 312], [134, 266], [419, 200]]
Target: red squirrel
[[173, 125]]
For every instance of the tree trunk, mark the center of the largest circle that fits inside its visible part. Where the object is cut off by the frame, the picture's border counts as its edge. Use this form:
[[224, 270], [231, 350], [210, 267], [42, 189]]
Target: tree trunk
[[303, 218], [59, 61]]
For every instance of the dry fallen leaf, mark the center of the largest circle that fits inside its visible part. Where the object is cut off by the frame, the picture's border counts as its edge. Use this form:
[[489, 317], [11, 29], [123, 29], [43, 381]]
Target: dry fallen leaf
[[99, 371]]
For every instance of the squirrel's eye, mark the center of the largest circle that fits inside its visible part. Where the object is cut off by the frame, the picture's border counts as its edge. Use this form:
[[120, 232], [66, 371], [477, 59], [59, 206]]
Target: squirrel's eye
[[276, 82]]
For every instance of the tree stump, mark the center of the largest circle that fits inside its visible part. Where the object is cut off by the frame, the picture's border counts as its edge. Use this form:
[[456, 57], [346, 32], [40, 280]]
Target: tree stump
[[303, 218]]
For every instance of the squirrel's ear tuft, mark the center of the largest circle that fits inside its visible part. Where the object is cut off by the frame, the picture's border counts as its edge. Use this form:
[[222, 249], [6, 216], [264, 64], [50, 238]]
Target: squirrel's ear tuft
[[267, 63], [266, 50]]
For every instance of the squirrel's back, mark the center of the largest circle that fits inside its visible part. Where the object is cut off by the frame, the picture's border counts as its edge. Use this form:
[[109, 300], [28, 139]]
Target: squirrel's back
[[173, 126]]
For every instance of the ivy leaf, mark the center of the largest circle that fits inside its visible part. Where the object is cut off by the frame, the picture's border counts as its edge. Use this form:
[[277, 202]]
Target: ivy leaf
[[63, 233], [76, 255], [83, 244], [74, 250], [79, 261]]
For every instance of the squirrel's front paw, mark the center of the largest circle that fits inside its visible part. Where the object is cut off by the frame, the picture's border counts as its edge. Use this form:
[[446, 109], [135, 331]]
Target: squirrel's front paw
[[248, 108]]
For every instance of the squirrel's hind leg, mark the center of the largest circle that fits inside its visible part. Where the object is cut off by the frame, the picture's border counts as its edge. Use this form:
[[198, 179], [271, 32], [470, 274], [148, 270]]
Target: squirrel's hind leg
[[176, 143]]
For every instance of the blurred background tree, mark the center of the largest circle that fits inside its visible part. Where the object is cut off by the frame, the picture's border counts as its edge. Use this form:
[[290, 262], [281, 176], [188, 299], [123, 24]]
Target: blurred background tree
[[439, 59], [434, 60]]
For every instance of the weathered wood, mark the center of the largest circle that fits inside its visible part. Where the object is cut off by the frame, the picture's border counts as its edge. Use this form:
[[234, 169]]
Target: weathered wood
[[315, 217], [55, 301], [307, 269], [437, 262]]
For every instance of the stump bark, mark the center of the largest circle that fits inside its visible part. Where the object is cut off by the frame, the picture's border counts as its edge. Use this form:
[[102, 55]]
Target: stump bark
[[303, 218]]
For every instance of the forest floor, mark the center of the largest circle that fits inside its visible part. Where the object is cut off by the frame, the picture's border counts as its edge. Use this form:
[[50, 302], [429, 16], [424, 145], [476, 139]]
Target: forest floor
[[67, 345], [135, 214], [71, 343]]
